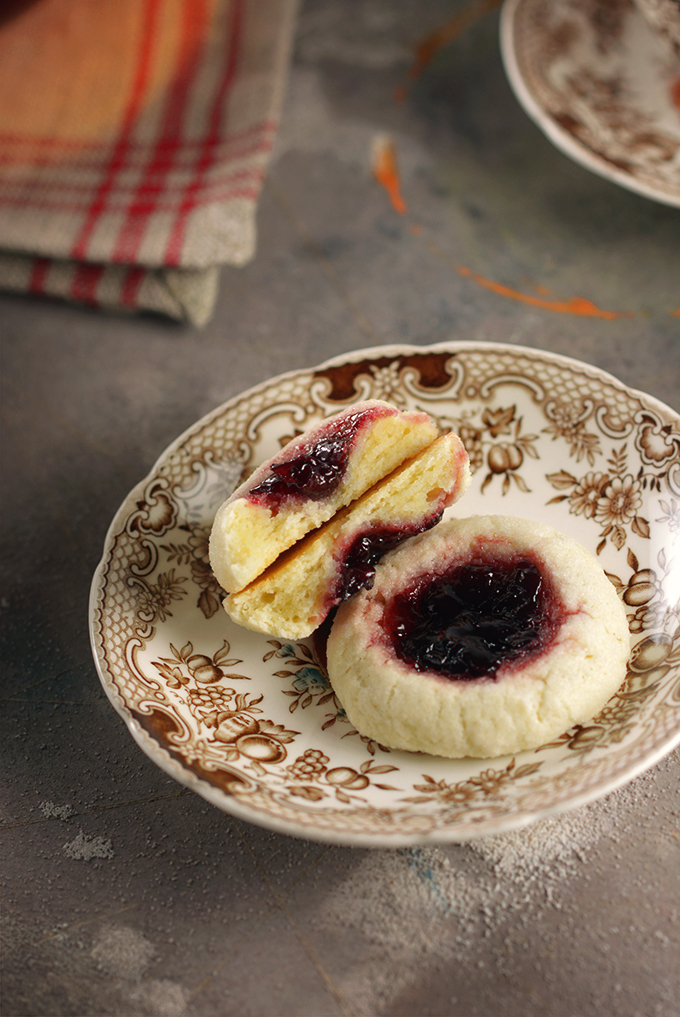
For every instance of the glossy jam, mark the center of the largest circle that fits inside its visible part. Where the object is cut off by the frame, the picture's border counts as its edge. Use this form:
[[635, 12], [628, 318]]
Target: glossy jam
[[366, 550], [317, 470], [475, 618]]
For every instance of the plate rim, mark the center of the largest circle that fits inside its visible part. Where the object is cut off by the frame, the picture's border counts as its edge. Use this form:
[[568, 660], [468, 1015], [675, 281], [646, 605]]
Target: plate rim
[[230, 803], [561, 139]]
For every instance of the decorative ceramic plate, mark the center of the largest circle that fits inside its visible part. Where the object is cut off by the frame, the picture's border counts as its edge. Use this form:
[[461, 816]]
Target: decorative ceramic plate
[[251, 722], [602, 85]]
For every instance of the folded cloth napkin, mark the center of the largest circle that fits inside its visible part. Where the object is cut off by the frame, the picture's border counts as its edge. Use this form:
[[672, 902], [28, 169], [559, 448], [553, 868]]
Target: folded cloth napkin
[[134, 137]]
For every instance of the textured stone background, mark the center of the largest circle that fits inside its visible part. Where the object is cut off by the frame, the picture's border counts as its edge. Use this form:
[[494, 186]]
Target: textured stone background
[[127, 895]]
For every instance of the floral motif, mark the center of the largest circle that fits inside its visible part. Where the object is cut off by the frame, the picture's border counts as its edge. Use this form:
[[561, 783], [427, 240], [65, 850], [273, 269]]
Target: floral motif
[[503, 458], [184, 665], [474, 446], [230, 717], [499, 421], [567, 421], [650, 661], [154, 599], [461, 794], [309, 681], [371, 744], [645, 593], [387, 383], [619, 501], [309, 766], [612, 499], [671, 515], [586, 495], [312, 769], [195, 550], [243, 734]]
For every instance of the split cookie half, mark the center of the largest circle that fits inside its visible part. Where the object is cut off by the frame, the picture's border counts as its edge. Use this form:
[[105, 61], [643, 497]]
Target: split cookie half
[[303, 486], [295, 595]]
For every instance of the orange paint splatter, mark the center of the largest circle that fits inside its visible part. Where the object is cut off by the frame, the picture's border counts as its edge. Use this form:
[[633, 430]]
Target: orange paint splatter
[[577, 305], [675, 313], [386, 172], [416, 230], [428, 47], [675, 92]]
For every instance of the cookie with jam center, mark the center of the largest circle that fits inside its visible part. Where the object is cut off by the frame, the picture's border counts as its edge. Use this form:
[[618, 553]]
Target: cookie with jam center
[[482, 637]]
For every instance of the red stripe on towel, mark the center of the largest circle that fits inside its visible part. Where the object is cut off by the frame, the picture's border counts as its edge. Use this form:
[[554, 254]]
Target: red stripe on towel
[[207, 156], [130, 287], [85, 282], [117, 161], [39, 275], [195, 20]]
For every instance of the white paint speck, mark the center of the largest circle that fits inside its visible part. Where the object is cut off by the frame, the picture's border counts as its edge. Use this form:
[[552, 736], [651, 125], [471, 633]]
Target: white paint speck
[[161, 997], [86, 848], [50, 810], [123, 952]]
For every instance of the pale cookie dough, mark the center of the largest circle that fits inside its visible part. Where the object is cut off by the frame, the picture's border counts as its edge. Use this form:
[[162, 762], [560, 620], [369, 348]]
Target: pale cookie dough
[[251, 529], [528, 702], [295, 594]]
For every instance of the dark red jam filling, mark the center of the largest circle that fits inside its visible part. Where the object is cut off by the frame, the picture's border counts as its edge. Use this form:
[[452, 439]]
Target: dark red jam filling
[[475, 618], [317, 470], [366, 550]]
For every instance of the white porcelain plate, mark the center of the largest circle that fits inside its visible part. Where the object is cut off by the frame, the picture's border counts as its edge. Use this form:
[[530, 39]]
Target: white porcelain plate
[[252, 724], [602, 85]]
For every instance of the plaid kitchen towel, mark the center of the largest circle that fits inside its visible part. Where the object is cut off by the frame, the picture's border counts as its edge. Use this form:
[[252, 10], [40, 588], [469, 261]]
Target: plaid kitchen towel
[[134, 137]]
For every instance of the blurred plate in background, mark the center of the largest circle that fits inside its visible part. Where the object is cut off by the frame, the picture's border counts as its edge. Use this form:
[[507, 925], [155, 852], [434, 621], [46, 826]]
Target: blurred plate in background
[[602, 84]]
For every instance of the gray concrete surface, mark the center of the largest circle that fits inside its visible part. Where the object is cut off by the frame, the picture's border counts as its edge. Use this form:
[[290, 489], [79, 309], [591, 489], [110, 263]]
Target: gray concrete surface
[[125, 894]]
